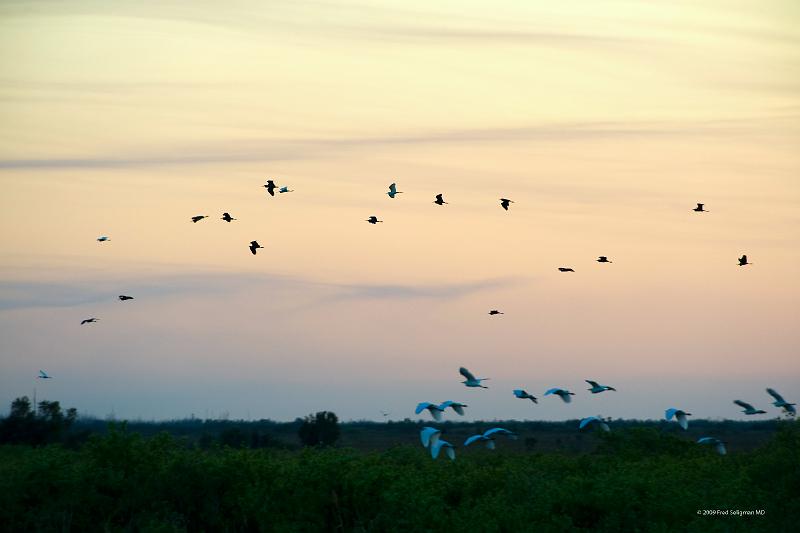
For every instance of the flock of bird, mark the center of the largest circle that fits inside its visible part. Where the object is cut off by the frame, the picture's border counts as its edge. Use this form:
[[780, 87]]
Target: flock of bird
[[431, 437]]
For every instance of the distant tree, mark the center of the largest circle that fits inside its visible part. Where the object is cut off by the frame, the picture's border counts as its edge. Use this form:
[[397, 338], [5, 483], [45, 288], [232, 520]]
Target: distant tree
[[233, 437], [24, 426], [321, 429]]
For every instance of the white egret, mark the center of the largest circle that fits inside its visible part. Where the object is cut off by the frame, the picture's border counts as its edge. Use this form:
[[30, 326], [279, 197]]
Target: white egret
[[456, 406], [597, 387], [429, 435], [780, 402], [594, 420], [562, 393], [679, 415], [43, 375], [489, 437], [523, 395], [449, 449], [718, 444], [432, 408], [471, 380], [749, 409]]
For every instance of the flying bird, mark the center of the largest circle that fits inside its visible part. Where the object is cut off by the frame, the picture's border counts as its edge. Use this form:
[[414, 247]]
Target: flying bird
[[495, 312], [749, 409], [562, 393], [700, 209], [679, 415], [743, 261], [439, 200], [471, 380], [489, 437], [384, 413], [456, 406], [198, 218], [43, 375], [122, 297], [227, 217], [373, 220], [393, 190], [285, 189], [89, 320], [254, 246], [780, 402], [449, 449], [523, 395], [432, 408], [103, 238], [565, 269], [594, 420], [270, 186], [719, 446], [505, 202], [603, 259], [429, 435], [597, 387]]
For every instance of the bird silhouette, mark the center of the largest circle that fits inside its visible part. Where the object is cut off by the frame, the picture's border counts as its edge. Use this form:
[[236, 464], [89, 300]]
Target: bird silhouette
[[565, 269], [373, 220], [719, 446], [523, 395], [393, 190], [504, 203], [780, 402], [198, 218], [700, 209], [43, 375], [227, 217], [496, 312], [103, 238], [122, 297], [564, 394], [439, 200], [597, 387], [270, 186], [749, 409], [285, 189], [680, 416], [594, 420], [254, 246], [743, 261], [603, 259], [471, 380], [89, 320]]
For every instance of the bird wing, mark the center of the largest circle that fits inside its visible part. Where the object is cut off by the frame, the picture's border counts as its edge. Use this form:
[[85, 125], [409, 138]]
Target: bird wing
[[451, 453], [472, 439], [552, 391], [586, 421], [592, 383], [680, 416], [437, 446], [393, 188], [744, 258], [422, 406], [669, 413], [706, 440], [566, 397], [428, 435], [459, 408], [439, 197], [42, 374], [746, 405], [774, 394], [519, 393], [497, 431], [466, 373]]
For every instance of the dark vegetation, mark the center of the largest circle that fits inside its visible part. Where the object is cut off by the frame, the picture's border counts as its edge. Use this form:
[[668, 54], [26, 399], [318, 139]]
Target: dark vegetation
[[67, 474]]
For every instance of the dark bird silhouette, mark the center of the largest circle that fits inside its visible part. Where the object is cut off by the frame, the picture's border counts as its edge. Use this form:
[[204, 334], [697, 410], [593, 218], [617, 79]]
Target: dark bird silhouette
[[743, 261], [749, 409], [603, 259], [254, 246], [596, 387], [89, 320], [565, 269], [271, 187], [122, 297], [393, 190], [495, 312], [198, 218], [700, 209], [504, 203], [439, 200], [227, 217], [373, 220], [523, 395], [43, 375]]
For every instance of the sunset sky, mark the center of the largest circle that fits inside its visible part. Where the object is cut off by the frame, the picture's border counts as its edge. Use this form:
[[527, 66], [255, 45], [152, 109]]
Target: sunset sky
[[605, 122]]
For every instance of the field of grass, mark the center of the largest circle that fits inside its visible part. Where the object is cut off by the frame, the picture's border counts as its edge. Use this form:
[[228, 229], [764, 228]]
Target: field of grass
[[635, 479]]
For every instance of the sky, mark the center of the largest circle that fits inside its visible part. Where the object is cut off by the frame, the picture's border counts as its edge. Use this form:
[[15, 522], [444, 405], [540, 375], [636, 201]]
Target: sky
[[605, 122]]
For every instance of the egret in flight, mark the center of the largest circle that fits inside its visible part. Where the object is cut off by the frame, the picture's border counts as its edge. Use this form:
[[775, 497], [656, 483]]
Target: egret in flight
[[270, 186], [471, 380], [780, 402], [254, 246], [489, 437], [198, 218], [89, 320], [719, 446], [594, 420], [565, 269], [449, 449], [749, 409], [43, 375], [393, 190], [373, 220], [432, 408], [743, 261], [429, 435], [523, 395], [680, 416], [596, 387], [455, 406], [439, 200], [227, 217], [505, 202], [122, 297], [603, 259], [700, 209], [564, 394]]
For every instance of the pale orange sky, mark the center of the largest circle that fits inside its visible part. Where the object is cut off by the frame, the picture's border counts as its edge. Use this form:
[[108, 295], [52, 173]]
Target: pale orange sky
[[604, 122]]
